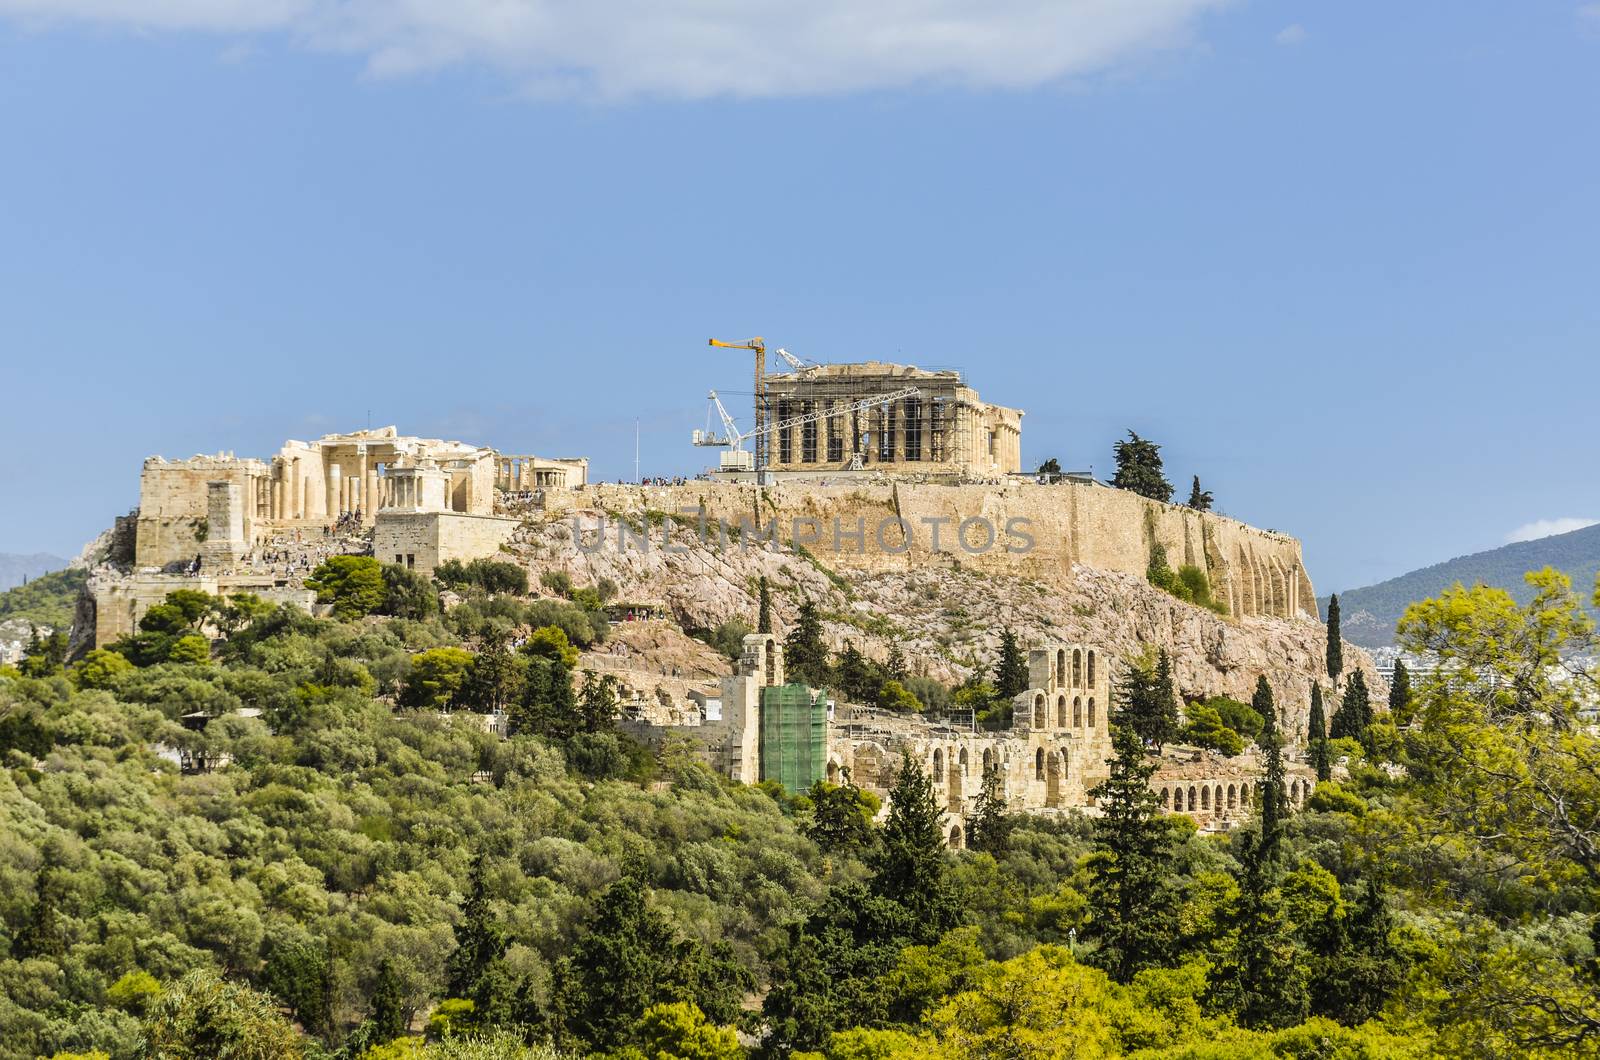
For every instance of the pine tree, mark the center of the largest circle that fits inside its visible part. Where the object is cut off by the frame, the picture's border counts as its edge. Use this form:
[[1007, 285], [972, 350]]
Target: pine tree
[[1200, 500], [805, 657], [989, 829], [1274, 796], [1131, 882], [1363, 967], [1317, 739], [1335, 641], [1139, 468], [911, 864], [1400, 694], [598, 702], [764, 607], [1011, 669], [480, 941]]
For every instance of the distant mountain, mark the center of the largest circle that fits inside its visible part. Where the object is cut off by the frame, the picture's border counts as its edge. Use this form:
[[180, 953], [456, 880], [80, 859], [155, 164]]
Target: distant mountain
[[1368, 615], [15, 568]]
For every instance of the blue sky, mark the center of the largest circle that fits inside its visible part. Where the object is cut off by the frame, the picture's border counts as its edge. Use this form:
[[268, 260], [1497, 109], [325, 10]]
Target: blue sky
[[1341, 259]]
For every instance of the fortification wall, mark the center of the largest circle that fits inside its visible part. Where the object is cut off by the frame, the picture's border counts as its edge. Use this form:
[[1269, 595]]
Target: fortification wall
[[423, 540], [1022, 528], [173, 505]]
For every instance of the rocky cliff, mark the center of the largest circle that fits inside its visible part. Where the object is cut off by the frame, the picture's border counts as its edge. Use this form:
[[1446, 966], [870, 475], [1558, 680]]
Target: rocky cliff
[[945, 613]]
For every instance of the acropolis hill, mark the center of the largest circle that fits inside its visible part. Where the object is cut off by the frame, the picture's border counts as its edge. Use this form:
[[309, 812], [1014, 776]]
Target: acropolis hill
[[902, 516]]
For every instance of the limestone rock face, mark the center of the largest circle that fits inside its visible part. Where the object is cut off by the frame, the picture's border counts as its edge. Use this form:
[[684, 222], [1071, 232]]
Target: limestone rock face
[[946, 617]]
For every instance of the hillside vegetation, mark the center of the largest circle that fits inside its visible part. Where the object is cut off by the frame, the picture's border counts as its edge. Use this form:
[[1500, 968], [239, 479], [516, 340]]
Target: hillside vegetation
[[1371, 612], [366, 872], [47, 600]]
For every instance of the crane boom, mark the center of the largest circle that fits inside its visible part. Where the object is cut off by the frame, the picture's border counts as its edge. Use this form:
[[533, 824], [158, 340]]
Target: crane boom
[[736, 439], [759, 346]]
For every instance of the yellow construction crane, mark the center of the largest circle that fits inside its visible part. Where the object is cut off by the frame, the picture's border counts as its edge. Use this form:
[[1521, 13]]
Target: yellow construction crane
[[759, 346]]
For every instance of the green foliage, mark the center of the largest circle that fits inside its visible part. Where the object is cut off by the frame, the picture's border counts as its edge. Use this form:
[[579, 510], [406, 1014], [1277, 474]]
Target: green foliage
[[989, 828], [1200, 500], [1274, 793], [407, 594], [1317, 737], [48, 600], [494, 576], [101, 669], [1139, 468], [202, 1017], [1011, 668], [841, 816], [805, 657], [1354, 716], [1052, 466], [1335, 649], [557, 581], [1132, 869], [892, 695], [1204, 727], [628, 960], [763, 607], [436, 678], [1188, 583], [354, 585], [911, 861], [727, 637], [1149, 705], [855, 676], [680, 1031]]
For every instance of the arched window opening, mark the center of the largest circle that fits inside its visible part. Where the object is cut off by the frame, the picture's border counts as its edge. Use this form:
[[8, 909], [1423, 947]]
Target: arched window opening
[[1077, 711], [963, 761], [1191, 798], [1077, 668], [1091, 712], [1038, 711], [955, 838], [1061, 666], [1205, 798], [771, 654], [938, 765], [1166, 798], [1038, 764], [1233, 796], [1061, 711], [988, 759], [1091, 667]]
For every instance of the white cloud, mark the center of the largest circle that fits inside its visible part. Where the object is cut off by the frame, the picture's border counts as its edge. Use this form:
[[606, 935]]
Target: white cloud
[[688, 48], [1291, 35], [1546, 527]]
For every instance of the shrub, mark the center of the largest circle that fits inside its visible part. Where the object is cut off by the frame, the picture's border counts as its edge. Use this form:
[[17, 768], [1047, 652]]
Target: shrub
[[407, 594], [354, 585], [101, 669], [435, 678], [895, 696], [1206, 729], [557, 581]]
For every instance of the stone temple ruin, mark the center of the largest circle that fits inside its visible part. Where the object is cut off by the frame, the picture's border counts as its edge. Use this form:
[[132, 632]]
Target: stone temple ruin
[[1056, 751], [225, 524], [944, 430]]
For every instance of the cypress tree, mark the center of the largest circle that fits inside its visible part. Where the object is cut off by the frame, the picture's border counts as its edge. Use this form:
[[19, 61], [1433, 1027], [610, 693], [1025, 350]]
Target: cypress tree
[[911, 864], [763, 607], [1317, 740], [1400, 694], [989, 830], [1263, 979], [1274, 797], [856, 676], [1147, 703], [805, 657], [1011, 669], [41, 935], [895, 667], [1200, 500], [1355, 711], [1335, 641], [391, 1016], [479, 940], [1131, 881]]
